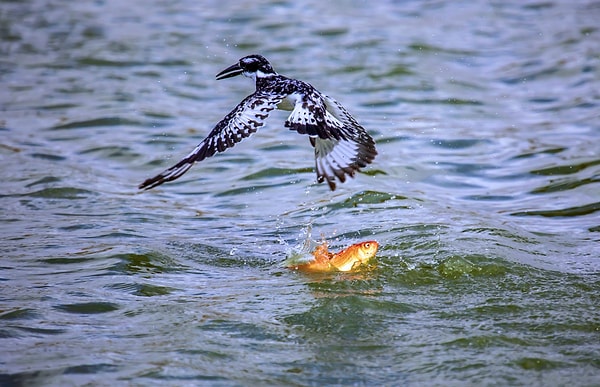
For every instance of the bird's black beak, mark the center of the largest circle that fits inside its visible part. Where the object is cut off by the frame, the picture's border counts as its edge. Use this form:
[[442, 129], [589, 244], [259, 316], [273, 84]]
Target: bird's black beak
[[230, 71]]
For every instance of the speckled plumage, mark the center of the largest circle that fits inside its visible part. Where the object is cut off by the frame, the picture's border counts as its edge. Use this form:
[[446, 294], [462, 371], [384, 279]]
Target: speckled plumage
[[341, 145]]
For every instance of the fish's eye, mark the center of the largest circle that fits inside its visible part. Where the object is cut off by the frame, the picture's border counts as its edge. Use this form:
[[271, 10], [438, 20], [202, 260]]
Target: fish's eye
[[367, 245]]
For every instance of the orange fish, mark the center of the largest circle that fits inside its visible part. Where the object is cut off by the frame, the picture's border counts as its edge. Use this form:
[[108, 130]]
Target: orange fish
[[346, 260]]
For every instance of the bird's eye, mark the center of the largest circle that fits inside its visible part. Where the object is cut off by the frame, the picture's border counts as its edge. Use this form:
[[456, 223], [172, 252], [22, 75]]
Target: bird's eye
[[249, 65]]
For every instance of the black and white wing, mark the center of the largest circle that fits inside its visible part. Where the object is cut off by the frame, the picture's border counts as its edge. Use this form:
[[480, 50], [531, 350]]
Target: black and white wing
[[341, 145], [241, 122]]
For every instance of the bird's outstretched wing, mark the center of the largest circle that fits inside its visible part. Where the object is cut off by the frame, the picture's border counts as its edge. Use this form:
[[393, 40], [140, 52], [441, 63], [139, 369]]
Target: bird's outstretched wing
[[341, 145], [241, 122]]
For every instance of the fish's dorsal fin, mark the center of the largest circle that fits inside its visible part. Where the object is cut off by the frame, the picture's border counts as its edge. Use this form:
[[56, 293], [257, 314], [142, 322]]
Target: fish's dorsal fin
[[320, 263], [322, 255]]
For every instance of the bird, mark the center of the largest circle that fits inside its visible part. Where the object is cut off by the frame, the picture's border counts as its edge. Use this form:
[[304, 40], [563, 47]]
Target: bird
[[342, 146]]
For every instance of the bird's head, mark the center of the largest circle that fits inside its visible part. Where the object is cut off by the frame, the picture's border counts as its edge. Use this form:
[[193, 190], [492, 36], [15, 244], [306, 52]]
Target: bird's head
[[252, 66]]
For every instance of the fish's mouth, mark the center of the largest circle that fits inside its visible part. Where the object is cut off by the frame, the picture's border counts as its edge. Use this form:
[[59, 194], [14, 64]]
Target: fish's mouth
[[369, 249], [230, 71]]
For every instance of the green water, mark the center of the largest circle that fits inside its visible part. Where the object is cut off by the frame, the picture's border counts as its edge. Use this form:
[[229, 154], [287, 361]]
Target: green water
[[484, 197]]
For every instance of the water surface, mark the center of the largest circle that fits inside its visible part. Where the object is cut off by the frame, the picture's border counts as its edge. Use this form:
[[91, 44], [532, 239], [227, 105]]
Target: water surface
[[484, 196]]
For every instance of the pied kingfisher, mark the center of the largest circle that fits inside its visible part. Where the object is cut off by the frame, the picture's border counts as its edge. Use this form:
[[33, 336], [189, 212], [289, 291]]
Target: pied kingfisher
[[341, 145]]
